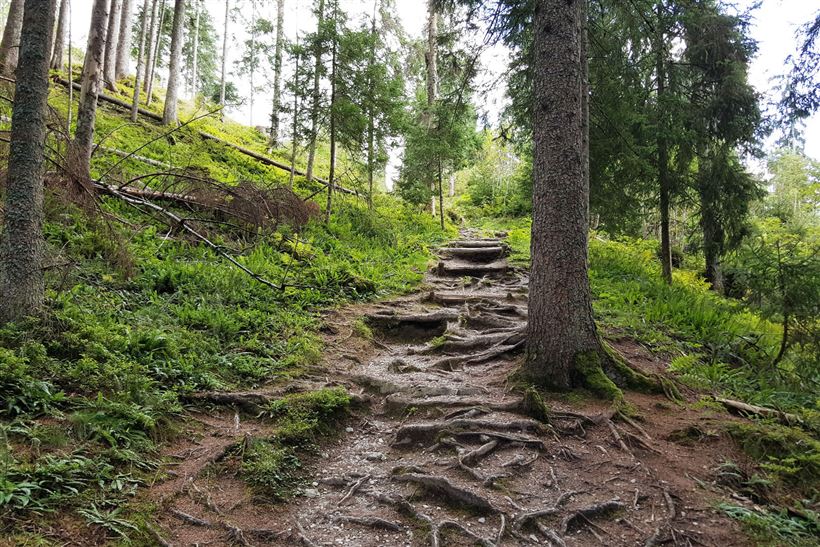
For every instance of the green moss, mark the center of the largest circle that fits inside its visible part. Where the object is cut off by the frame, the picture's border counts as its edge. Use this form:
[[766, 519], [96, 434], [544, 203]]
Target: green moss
[[789, 455], [534, 405], [591, 375], [271, 469], [302, 418]]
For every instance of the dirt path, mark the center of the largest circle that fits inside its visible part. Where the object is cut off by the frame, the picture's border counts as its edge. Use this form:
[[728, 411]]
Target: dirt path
[[446, 454]]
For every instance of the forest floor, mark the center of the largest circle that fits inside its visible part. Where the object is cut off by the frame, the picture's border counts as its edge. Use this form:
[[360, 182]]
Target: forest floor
[[440, 449]]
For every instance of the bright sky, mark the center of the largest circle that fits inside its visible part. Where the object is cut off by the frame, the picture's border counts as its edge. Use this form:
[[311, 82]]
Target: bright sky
[[774, 26]]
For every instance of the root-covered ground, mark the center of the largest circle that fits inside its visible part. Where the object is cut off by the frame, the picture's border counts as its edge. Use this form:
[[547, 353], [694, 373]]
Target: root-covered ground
[[442, 450]]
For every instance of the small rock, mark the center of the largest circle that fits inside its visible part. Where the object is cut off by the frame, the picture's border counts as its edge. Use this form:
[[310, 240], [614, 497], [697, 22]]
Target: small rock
[[310, 493], [482, 520], [349, 429], [375, 457]]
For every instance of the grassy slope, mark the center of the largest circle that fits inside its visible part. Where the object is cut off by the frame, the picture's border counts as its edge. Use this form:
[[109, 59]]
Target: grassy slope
[[138, 316]]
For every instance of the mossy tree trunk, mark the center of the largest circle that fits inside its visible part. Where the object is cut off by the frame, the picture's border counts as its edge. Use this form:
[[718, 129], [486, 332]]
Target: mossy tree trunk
[[563, 347], [22, 246]]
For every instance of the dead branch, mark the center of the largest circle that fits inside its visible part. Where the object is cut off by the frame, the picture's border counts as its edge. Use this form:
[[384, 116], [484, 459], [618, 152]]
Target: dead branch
[[358, 484], [471, 458], [738, 406]]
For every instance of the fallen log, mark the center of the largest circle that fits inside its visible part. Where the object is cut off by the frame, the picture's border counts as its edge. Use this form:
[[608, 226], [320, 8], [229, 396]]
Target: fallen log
[[475, 254], [738, 406], [476, 243], [143, 159]]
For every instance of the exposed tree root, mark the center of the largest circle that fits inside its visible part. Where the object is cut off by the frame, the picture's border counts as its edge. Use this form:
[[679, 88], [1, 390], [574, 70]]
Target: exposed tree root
[[475, 254], [390, 319], [448, 491], [462, 268], [399, 402], [424, 431], [449, 524], [372, 522], [528, 517], [452, 363], [472, 458], [477, 243], [358, 484], [589, 512]]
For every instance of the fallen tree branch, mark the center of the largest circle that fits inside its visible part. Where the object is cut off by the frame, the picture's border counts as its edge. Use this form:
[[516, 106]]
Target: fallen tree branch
[[447, 490], [783, 417]]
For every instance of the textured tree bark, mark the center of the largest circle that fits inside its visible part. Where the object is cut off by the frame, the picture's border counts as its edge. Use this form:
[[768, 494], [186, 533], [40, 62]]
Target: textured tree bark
[[563, 341], [110, 60], [58, 51], [293, 136], [431, 59], [22, 246], [149, 53], [157, 52], [222, 82], [90, 87], [11, 38], [124, 40], [314, 108], [135, 105], [277, 73], [169, 113], [371, 115], [712, 244]]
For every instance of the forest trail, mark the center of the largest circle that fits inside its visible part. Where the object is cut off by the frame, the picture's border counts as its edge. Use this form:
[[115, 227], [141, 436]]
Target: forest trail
[[442, 451]]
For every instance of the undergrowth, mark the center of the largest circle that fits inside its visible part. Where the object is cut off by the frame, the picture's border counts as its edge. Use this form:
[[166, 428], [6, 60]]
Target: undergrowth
[[137, 315]]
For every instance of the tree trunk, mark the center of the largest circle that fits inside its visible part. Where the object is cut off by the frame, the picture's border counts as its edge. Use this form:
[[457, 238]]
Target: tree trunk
[[222, 82], [58, 51], [149, 53], [664, 182], [332, 176], [110, 61], [124, 40], [295, 130], [91, 87], [452, 184], [195, 60], [277, 73], [157, 52], [140, 56], [562, 342], [431, 59], [712, 233], [169, 114], [22, 286], [440, 194], [371, 115], [9, 45], [314, 108]]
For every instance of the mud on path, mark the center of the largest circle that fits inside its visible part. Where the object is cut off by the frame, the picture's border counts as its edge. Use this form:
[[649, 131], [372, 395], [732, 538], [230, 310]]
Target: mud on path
[[444, 452]]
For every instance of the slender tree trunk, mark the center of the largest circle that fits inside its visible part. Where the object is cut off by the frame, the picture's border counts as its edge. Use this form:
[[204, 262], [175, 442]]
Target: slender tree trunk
[[149, 53], [440, 194], [712, 234], [252, 60], [452, 191], [371, 115], [295, 130], [59, 39], [332, 176], [431, 58], [781, 284], [124, 40], [169, 114], [70, 78], [314, 108], [195, 60], [664, 181], [223, 80], [91, 87], [9, 45], [22, 286], [157, 53], [110, 61], [277, 73], [562, 339], [140, 56]]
